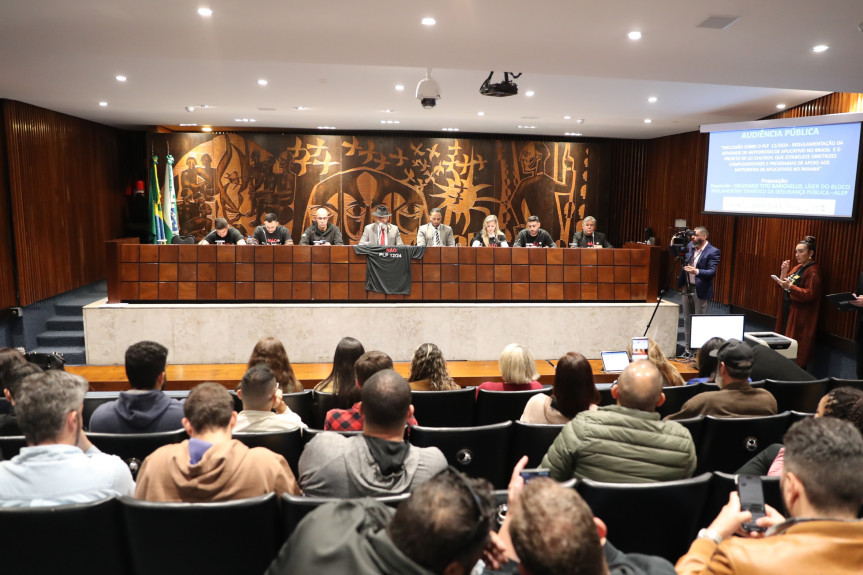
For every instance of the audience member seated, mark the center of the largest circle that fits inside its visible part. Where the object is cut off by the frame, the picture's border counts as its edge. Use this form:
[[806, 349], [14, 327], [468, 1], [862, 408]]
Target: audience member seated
[[270, 350], [627, 442], [144, 408], [351, 419], [378, 462], [429, 371], [735, 398], [670, 375], [348, 351], [843, 403], [211, 466], [60, 465], [770, 364], [14, 376], [261, 395], [822, 491], [444, 527], [705, 363], [9, 358], [518, 370], [550, 529], [573, 392]]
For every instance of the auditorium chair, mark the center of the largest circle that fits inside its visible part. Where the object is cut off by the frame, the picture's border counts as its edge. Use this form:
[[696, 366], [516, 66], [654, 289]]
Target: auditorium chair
[[10, 445], [605, 397], [533, 440], [797, 395], [480, 451], [295, 507], [76, 538], [676, 396], [94, 399], [695, 426], [729, 442], [799, 415], [498, 406], [288, 444], [302, 403], [133, 448], [722, 484], [839, 382], [444, 408], [323, 402], [653, 518], [309, 434], [227, 538]]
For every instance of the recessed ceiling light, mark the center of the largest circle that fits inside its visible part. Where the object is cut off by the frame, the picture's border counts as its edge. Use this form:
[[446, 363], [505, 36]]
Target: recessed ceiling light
[[428, 21], [326, 127], [529, 93], [480, 113], [780, 106], [120, 78], [262, 82], [190, 108], [208, 129], [103, 104], [205, 12], [648, 121], [580, 121], [527, 127], [634, 35], [450, 129], [567, 117], [390, 122], [188, 124], [389, 111], [400, 88], [204, 106], [820, 48], [300, 108], [572, 133], [245, 120], [652, 99]]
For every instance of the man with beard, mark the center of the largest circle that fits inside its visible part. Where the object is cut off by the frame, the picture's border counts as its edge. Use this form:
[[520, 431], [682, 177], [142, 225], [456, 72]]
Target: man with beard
[[696, 278]]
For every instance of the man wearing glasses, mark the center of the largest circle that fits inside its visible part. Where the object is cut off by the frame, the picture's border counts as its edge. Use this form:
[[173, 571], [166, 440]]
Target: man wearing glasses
[[322, 233]]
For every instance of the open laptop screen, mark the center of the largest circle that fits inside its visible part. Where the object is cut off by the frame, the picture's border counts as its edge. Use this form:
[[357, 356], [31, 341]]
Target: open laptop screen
[[614, 361]]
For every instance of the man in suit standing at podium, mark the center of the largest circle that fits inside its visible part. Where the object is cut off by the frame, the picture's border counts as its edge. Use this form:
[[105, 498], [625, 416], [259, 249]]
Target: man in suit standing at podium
[[435, 233], [381, 233], [696, 278]]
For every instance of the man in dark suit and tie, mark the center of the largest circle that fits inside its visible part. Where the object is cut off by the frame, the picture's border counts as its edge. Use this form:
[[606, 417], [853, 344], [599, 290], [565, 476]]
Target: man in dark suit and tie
[[435, 233], [696, 278]]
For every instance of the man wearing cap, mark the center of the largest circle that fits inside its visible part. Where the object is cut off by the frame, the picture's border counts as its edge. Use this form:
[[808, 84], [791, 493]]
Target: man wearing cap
[[735, 398], [381, 233]]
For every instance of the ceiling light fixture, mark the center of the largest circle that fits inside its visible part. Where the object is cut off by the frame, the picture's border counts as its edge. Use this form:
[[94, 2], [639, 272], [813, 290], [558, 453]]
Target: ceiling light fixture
[[120, 78], [648, 121], [780, 106], [206, 12], [262, 82], [300, 108], [326, 127], [527, 127], [450, 129], [820, 48], [567, 117], [400, 88], [652, 99], [390, 122], [480, 113], [572, 133], [103, 104], [428, 21], [580, 121], [529, 93], [186, 125], [634, 35], [207, 129]]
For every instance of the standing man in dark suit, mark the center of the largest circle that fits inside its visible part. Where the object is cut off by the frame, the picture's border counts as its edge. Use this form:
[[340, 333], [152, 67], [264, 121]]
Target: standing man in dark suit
[[588, 237], [435, 233], [696, 278]]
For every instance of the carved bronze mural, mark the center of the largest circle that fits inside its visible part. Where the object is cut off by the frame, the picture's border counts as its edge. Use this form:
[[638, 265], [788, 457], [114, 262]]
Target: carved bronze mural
[[242, 176]]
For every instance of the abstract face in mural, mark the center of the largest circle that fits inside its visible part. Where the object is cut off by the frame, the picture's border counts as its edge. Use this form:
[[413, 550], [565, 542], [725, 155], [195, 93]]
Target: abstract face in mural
[[362, 191], [531, 158]]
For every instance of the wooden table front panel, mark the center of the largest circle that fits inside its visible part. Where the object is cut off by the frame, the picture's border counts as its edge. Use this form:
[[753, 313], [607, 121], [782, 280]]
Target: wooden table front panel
[[320, 273]]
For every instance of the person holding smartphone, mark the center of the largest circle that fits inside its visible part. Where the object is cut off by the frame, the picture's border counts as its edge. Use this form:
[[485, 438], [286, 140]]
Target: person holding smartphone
[[801, 299], [822, 491]]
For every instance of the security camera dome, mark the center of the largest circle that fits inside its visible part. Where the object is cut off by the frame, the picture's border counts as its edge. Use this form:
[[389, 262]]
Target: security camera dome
[[428, 91]]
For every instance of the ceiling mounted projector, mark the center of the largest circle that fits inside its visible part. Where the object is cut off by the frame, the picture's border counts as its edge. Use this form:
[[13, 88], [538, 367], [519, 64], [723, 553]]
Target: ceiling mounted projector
[[501, 89], [428, 91]]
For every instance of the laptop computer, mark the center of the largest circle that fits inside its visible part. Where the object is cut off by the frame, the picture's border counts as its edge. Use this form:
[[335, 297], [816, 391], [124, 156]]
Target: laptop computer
[[614, 361]]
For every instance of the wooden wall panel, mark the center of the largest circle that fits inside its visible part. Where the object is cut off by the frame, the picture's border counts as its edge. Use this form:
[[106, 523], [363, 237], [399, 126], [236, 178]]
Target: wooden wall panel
[[67, 197], [7, 264]]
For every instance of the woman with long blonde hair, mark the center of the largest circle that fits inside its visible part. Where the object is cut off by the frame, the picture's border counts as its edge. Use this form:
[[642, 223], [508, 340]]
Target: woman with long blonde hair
[[670, 375], [490, 235]]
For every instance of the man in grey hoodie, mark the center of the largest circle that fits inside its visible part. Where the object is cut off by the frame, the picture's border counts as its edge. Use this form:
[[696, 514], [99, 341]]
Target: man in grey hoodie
[[144, 408], [378, 462]]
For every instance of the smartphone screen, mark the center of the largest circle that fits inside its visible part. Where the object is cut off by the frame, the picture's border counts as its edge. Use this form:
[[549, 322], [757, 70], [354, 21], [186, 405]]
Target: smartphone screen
[[528, 474], [751, 499], [639, 347]]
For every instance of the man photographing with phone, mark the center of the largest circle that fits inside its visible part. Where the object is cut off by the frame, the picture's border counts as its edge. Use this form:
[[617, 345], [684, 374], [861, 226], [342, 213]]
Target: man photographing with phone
[[822, 490]]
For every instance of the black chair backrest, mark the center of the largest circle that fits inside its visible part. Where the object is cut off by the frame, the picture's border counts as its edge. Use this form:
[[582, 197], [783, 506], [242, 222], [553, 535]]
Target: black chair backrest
[[798, 395], [133, 448], [722, 484], [605, 397], [10, 445], [481, 451], [444, 408], [323, 403], [302, 403], [498, 406], [74, 531], [309, 434], [178, 239], [729, 442], [676, 396], [288, 444], [229, 537], [94, 399], [654, 518], [839, 382], [695, 425], [296, 507], [533, 440]]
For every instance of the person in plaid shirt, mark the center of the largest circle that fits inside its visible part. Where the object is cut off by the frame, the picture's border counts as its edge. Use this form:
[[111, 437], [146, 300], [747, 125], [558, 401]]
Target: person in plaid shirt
[[351, 419]]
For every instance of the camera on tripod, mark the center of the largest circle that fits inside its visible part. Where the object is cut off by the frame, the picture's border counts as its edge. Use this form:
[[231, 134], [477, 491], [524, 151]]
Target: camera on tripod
[[680, 239]]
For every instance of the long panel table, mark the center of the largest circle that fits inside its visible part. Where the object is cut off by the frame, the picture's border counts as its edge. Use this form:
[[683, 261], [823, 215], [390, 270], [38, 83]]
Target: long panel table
[[208, 273]]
